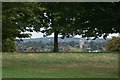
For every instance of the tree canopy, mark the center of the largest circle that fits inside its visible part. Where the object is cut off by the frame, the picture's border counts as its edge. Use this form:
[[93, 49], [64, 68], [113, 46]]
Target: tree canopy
[[18, 18], [86, 19], [68, 19]]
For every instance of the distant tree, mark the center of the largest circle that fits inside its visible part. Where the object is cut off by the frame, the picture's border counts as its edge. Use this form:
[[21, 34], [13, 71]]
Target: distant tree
[[113, 44], [73, 43], [93, 46]]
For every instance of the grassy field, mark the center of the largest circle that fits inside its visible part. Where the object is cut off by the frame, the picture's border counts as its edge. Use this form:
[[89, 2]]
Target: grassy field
[[60, 65]]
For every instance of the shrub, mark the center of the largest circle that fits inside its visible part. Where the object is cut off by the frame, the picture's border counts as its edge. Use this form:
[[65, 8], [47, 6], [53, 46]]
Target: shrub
[[8, 45], [113, 44]]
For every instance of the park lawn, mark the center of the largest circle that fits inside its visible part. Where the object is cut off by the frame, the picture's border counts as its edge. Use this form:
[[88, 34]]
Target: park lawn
[[60, 65]]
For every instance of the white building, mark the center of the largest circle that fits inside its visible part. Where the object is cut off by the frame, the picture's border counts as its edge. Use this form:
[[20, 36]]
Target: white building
[[84, 44]]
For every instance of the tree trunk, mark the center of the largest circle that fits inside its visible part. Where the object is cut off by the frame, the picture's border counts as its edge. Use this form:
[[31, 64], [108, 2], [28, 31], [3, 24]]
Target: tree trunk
[[55, 41]]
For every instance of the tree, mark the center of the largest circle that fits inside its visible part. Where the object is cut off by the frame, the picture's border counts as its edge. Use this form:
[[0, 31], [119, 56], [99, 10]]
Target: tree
[[20, 19], [102, 19], [59, 18], [86, 19], [67, 19], [113, 44], [17, 18]]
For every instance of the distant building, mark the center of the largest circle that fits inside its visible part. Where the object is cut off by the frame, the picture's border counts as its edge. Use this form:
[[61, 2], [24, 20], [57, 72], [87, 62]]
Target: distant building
[[30, 49], [84, 44], [118, 34]]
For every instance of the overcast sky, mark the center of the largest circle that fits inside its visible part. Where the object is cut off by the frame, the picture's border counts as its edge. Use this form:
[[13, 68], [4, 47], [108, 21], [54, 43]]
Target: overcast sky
[[39, 35]]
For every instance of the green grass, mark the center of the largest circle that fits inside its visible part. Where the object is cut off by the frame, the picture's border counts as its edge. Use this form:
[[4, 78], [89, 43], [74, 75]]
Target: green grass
[[60, 65]]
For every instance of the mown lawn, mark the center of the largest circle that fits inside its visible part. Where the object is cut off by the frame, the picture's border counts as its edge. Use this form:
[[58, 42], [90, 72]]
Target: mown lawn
[[60, 65]]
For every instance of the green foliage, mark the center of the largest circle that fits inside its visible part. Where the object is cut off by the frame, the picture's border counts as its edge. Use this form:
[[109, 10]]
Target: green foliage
[[18, 17], [8, 45], [67, 19], [86, 19], [114, 44]]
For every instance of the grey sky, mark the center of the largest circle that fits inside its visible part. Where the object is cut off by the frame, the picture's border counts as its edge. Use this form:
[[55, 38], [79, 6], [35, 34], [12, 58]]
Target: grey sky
[[38, 35]]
